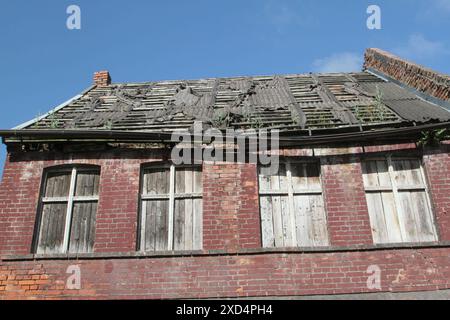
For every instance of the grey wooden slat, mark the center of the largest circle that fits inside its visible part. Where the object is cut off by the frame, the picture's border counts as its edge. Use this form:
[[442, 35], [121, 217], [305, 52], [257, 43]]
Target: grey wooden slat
[[52, 228], [82, 228], [197, 226], [423, 217], [188, 210], [90, 229], [75, 240], [87, 183], [180, 186], [286, 222], [57, 184], [151, 225], [43, 236], [268, 238], [377, 218], [179, 223], [162, 211], [198, 181]]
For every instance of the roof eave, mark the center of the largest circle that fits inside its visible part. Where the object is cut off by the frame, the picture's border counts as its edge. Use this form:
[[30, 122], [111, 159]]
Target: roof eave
[[56, 109], [291, 139]]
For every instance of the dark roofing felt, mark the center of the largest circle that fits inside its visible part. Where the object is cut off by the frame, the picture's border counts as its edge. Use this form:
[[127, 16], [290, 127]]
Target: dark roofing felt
[[289, 102]]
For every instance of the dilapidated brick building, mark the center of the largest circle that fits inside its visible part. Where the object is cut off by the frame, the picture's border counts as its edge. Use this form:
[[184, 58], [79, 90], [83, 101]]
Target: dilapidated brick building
[[362, 191]]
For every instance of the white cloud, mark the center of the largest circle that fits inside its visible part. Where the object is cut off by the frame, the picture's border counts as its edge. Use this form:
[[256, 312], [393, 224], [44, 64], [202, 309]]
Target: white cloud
[[339, 62], [418, 47], [283, 15], [433, 11]]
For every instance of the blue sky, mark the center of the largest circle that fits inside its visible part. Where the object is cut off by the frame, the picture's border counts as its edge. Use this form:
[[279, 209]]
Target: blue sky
[[42, 63]]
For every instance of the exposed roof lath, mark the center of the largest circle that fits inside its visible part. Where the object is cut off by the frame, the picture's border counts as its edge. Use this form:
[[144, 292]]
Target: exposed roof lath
[[290, 102]]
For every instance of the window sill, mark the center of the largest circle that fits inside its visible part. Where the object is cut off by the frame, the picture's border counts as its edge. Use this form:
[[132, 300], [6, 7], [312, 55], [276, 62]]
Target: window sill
[[200, 253]]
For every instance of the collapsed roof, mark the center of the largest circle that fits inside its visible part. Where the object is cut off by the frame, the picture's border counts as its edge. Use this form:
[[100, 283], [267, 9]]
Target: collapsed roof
[[290, 102], [391, 98]]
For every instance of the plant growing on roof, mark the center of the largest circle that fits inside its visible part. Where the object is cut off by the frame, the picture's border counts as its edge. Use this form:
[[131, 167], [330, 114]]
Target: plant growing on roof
[[54, 122], [222, 119], [379, 104], [108, 124], [322, 120], [359, 114], [433, 137]]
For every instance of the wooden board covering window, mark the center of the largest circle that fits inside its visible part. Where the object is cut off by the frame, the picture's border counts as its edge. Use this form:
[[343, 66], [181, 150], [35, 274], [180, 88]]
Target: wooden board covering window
[[292, 207], [68, 211], [398, 201], [171, 209]]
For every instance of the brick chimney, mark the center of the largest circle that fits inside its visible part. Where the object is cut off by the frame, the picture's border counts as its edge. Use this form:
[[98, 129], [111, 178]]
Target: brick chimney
[[102, 78], [422, 79]]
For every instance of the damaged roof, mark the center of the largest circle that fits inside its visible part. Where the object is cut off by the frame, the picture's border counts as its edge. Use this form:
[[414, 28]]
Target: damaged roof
[[288, 103]]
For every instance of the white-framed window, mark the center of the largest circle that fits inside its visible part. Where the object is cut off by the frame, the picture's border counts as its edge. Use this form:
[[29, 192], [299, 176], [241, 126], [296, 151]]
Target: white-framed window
[[171, 215], [67, 211], [398, 200], [292, 206]]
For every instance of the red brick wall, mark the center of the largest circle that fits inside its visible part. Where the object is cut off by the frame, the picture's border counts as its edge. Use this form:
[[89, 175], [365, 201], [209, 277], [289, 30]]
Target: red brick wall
[[345, 202], [19, 193], [230, 206], [437, 167], [231, 224], [229, 276]]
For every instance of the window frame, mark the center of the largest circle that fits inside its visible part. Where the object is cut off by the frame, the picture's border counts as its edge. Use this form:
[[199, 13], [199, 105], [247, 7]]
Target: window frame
[[396, 189], [171, 197], [291, 193], [70, 200]]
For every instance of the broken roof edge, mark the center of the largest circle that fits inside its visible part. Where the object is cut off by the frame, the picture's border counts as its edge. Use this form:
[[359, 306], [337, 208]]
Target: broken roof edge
[[56, 109], [421, 78], [424, 96], [258, 76]]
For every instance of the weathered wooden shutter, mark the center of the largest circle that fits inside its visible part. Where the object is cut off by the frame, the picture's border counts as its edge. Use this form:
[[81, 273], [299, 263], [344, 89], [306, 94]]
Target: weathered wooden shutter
[[84, 212], [398, 201], [292, 207], [171, 209], [68, 211]]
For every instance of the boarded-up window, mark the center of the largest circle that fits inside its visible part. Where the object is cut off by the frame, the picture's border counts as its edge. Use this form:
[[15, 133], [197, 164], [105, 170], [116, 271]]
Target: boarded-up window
[[171, 209], [68, 209], [292, 207], [398, 201]]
